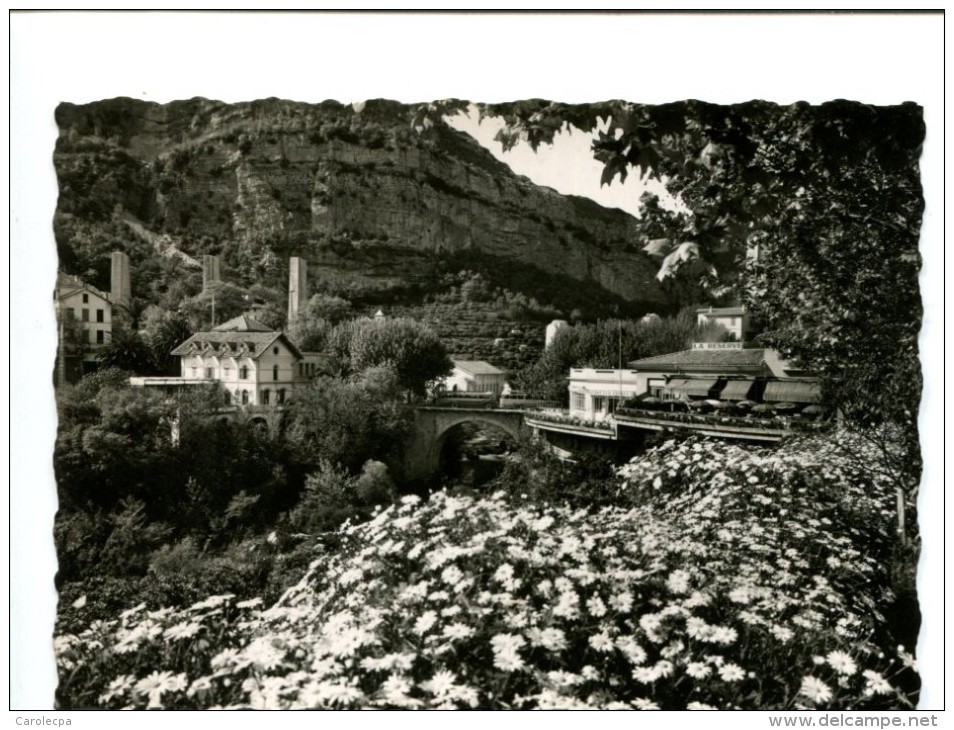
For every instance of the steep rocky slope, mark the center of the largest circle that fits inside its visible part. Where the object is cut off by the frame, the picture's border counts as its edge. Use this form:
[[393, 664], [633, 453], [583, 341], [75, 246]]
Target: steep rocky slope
[[369, 200]]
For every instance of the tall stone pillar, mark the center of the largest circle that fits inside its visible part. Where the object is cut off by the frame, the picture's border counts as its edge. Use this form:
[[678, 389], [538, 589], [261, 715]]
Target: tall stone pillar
[[210, 271], [119, 282], [297, 285]]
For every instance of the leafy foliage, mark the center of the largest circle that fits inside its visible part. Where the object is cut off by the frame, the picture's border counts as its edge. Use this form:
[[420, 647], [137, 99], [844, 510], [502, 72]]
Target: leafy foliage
[[230, 300], [347, 422], [412, 350], [127, 350], [534, 473], [829, 198], [731, 579], [332, 496], [310, 327], [73, 338], [115, 443], [610, 344], [163, 331]]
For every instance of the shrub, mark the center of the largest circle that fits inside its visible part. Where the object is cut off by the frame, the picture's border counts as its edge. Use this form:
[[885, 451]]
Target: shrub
[[734, 580], [374, 485], [332, 497], [327, 501], [184, 573]]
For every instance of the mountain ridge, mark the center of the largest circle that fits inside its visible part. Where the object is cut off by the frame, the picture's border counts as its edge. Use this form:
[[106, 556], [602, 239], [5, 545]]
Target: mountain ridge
[[259, 181]]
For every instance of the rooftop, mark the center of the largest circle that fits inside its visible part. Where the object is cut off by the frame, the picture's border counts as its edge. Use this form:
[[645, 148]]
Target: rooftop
[[706, 360], [723, 311], [67, 283], [236, 343], [477, 367]]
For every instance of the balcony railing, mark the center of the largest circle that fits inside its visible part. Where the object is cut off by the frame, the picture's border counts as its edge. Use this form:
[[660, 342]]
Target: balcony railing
[[529, 404], [745, 424], [562, 418], [617, 426]]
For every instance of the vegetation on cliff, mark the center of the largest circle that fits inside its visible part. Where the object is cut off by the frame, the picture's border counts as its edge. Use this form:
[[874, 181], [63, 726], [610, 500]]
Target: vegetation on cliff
[[376, 205]]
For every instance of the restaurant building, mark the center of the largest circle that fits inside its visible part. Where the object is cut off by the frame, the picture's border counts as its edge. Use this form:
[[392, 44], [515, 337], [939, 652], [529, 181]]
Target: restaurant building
[[724, 371]]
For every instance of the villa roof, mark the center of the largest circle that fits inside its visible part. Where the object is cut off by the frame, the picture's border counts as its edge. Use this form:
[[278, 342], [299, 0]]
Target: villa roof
[[477, 367], [236, 343], [705, 360], [67, 284]]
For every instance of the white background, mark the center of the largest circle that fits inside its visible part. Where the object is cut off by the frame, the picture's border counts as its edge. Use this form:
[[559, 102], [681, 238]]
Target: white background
[[879, 59]]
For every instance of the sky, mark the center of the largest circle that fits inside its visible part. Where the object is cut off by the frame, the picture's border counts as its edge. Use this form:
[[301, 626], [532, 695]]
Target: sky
[[567, 165], [657, 58]]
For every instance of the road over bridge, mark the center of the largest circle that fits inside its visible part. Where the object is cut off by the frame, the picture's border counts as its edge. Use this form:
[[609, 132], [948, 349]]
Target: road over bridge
[[626, 430], [432, 424]]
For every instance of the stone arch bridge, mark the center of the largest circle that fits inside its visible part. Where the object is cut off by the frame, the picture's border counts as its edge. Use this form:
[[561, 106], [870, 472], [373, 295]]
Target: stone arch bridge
[[432, 424]]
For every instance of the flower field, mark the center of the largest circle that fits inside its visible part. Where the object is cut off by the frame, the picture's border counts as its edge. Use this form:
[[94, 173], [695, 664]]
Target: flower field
[[723, 578]]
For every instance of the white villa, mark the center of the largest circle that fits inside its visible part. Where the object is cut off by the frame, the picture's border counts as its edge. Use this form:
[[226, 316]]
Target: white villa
[[80, 302], [734, 319], [475, 376], [257, 366]]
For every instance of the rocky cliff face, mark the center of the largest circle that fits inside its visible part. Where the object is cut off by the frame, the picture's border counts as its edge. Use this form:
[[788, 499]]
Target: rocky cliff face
[[361, 194]]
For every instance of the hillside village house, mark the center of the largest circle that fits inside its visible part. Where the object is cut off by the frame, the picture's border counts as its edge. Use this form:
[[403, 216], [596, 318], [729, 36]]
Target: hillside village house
[[87, 313], [725, 371], [86, 305], [475, 376], [734, 319]]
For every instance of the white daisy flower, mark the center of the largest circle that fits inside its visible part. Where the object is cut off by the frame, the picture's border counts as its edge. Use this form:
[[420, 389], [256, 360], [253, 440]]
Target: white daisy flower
[[815, 690], [842, 662]]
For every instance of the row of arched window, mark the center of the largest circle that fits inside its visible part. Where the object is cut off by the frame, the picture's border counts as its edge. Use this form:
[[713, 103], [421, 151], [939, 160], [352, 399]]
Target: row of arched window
[[307, 369], [210, 373], [280, 396]]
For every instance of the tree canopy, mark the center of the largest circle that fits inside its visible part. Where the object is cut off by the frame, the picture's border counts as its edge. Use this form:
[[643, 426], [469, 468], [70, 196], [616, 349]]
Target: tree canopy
[[608, 344], [309, 328], [413, 350], [808, 214], [348, 421]]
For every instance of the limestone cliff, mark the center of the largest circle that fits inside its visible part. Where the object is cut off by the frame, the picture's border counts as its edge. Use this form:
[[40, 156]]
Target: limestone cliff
[[361, 194]]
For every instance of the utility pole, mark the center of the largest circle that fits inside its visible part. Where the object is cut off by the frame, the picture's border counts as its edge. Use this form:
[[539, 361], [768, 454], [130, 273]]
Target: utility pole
[[899, 494], [61, 357], [619, 361]]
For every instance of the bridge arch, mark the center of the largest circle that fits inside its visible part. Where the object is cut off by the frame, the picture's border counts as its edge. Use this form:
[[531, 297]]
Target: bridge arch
[[433, 425], [437, 448], [260, 422]]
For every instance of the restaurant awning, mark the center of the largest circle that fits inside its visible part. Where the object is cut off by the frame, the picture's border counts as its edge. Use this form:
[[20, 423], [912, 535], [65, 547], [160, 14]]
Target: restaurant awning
[[736, 390], [792, 391], [690, 387]]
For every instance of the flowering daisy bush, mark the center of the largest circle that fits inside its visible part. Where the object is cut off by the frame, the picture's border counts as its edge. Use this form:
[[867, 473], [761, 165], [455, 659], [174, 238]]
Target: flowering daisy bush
[[726, 579]]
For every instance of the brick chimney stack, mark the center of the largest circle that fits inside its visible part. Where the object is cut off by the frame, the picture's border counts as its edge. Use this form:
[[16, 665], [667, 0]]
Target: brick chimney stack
[[119, 281], [297, 285]]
